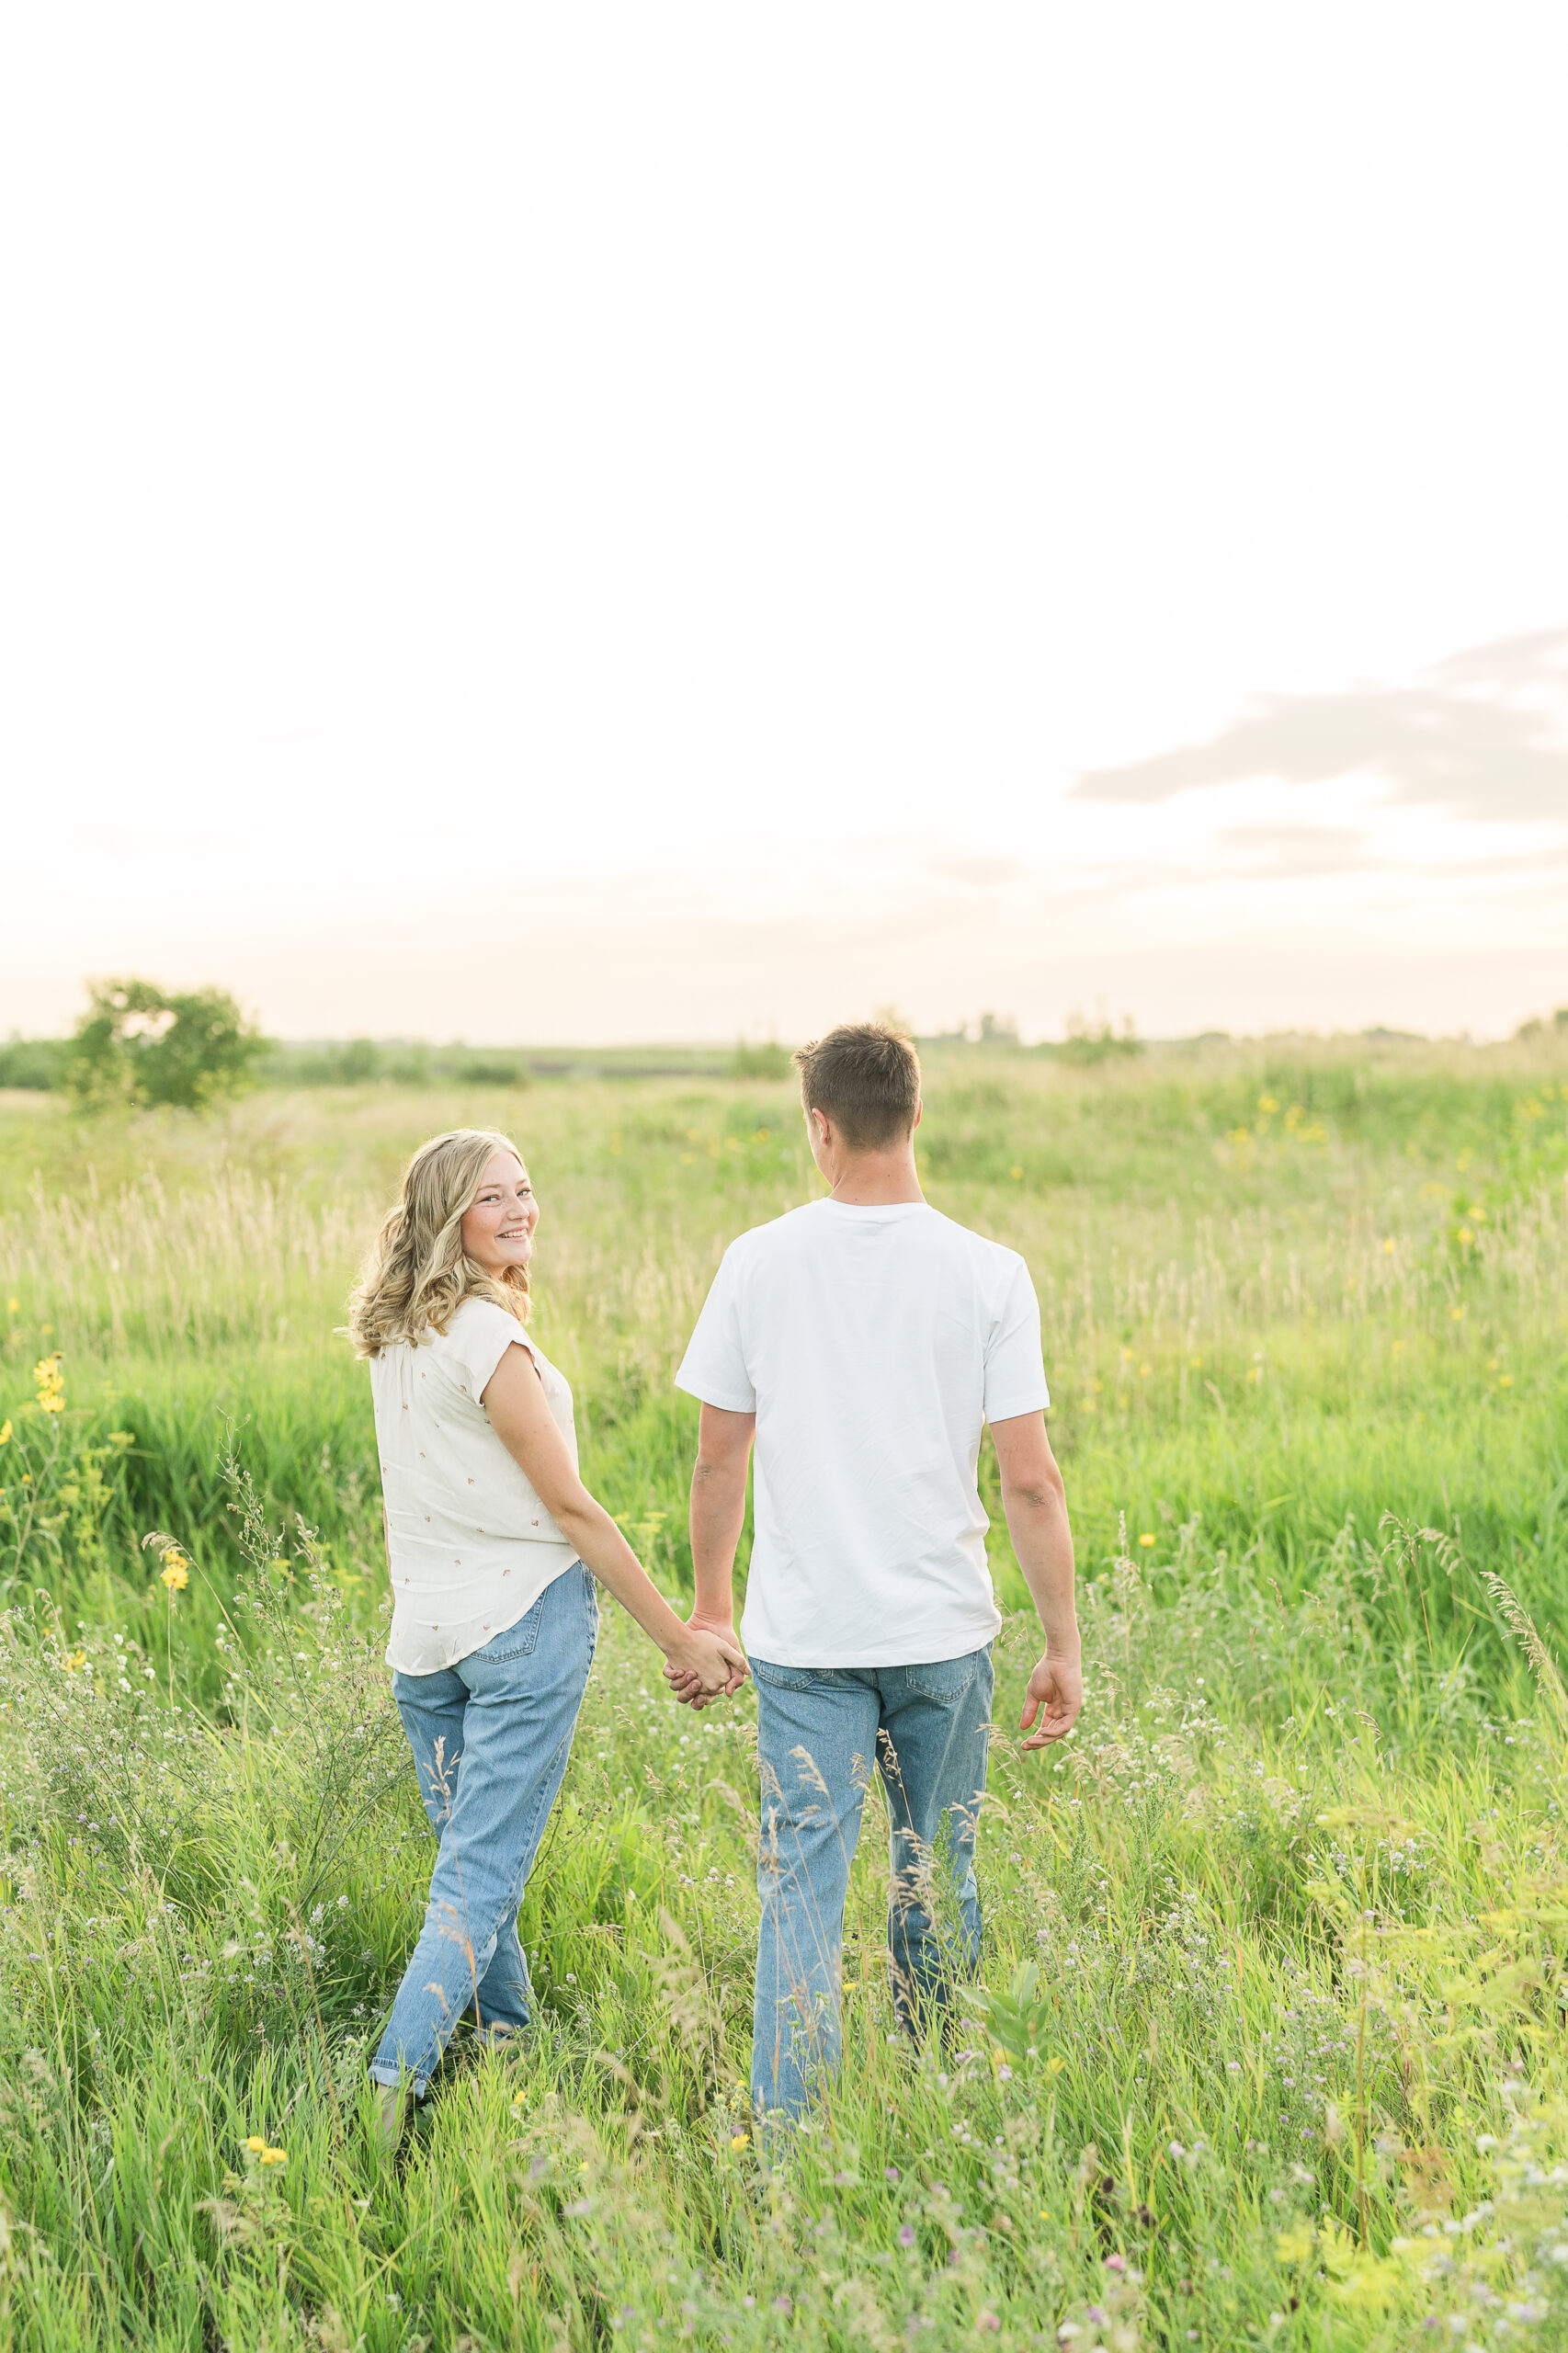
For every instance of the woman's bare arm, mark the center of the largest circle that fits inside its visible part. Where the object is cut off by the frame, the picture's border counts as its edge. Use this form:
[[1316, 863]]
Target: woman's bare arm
[[519, 1414]]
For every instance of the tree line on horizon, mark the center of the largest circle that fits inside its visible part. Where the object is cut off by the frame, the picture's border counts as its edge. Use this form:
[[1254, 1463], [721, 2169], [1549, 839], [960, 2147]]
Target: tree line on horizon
[[139, 1045]]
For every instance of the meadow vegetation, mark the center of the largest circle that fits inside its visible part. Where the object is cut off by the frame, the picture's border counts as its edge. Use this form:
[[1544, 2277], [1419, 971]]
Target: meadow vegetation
[[1271, 2046]]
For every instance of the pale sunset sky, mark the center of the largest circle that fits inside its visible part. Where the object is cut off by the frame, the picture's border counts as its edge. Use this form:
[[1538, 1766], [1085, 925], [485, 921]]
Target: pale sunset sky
[[587, 524]]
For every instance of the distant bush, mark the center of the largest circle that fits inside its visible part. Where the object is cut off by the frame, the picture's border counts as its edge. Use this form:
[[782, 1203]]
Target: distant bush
[[359, 1061], [761, 1062], [493, 1069], [998, 1029], [398, 1062], [1084, 1044], [349, 1063], [140, 1044], [32, 1063]]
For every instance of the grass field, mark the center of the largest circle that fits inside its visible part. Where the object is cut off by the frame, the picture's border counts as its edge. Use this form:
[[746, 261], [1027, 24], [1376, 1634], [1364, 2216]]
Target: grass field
[[1293, 2068]]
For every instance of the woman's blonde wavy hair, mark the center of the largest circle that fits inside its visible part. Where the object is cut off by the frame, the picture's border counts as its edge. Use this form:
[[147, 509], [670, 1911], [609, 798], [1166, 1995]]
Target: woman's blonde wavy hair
[[416, 1272]]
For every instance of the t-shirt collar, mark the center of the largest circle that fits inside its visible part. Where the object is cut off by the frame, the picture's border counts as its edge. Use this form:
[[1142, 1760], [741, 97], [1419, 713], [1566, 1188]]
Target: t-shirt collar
[[875, 1208]]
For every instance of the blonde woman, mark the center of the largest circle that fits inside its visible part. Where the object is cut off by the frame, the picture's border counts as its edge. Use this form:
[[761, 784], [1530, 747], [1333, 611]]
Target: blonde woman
[[493, 1545]]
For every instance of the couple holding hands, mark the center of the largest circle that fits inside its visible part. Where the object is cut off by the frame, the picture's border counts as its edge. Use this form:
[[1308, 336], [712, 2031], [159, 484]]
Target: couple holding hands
[[858, 1345]]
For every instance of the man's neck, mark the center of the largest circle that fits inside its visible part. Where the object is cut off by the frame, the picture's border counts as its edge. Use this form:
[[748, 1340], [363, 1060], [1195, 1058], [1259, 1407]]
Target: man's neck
[[876, 1180]]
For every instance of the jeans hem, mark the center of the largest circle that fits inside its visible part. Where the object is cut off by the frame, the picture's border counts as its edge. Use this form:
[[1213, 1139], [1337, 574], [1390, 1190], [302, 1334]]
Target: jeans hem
[[390, 2077]]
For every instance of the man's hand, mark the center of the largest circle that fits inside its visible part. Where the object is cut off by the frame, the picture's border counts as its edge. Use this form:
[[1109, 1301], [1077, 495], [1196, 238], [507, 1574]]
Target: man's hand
[[706, 1665], [718, 1514], [1055, 1695], [686, 1685], [1036, 1504]]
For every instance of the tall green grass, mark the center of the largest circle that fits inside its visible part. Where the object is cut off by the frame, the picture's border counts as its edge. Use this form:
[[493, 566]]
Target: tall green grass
[[1274, 2050]]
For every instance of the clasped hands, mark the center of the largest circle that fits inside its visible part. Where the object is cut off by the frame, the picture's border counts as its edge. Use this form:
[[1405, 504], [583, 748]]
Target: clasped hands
[[694, 1680]]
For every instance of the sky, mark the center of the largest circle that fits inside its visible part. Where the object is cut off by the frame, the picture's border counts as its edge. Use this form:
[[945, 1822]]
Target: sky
[[543, 525]]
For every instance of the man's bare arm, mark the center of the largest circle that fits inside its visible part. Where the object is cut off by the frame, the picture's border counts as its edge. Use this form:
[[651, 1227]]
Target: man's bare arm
[[1035, 1502], [718, 1514]]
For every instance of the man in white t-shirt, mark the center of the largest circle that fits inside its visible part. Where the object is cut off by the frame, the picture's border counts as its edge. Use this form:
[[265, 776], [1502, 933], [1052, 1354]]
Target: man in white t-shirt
[[862, 1343]]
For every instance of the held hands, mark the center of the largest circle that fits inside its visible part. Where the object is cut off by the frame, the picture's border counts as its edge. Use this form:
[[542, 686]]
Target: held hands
[[709, 1663], [1055, 1695]]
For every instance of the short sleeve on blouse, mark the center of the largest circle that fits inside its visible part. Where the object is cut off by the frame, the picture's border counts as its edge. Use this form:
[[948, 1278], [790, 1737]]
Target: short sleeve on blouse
[[477, 1338]]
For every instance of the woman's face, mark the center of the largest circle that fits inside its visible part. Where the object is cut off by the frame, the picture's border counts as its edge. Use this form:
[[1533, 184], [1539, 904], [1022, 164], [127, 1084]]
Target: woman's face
[[498, 1227]]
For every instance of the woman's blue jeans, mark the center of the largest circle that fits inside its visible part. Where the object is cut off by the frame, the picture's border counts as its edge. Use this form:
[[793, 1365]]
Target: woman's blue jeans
[[490, 1738], [820, 1733]]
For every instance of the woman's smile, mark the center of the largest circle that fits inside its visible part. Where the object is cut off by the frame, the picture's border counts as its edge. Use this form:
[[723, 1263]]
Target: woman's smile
[[498, 1228]]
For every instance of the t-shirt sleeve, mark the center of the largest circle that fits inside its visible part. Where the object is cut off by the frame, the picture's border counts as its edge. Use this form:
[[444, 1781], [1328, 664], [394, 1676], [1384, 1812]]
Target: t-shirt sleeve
[[1014, 1368], [477, 1338], [714, 1365]]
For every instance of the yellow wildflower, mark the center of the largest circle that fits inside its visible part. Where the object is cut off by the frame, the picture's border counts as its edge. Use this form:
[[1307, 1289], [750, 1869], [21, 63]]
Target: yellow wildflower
[[1266, 1104], [1146, 1539], [74, 1660], [5, 1433], [274, 2157], [740, 2141], [11, 1306], [1015, 1171], [50, 1384], [175, 1573], [255, 2143]]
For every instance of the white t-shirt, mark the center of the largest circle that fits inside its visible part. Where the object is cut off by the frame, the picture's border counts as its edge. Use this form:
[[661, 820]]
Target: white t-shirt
[[873, 1345], [471, 1546]]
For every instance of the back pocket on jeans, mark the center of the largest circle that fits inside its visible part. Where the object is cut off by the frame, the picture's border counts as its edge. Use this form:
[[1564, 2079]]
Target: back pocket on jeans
[[518, 1640], [945, 1679], [796, 1678]]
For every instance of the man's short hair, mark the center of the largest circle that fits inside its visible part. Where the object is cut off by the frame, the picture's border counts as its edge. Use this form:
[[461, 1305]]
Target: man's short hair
[[866, 1078]]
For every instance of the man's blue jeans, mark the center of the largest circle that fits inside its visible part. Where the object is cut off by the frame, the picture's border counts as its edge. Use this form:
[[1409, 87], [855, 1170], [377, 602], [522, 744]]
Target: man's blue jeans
[[490, 1738], [819, 1733]]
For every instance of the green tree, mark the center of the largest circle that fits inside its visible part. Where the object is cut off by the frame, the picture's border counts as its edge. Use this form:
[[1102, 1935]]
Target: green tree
[[137, 1044]]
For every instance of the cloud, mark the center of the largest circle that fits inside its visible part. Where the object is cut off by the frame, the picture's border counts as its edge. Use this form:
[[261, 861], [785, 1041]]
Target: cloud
[[1484, 733], [1297, 850]]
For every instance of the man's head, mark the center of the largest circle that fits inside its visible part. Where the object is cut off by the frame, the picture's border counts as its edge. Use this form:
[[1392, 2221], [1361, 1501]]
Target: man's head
[[865, 1079]]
